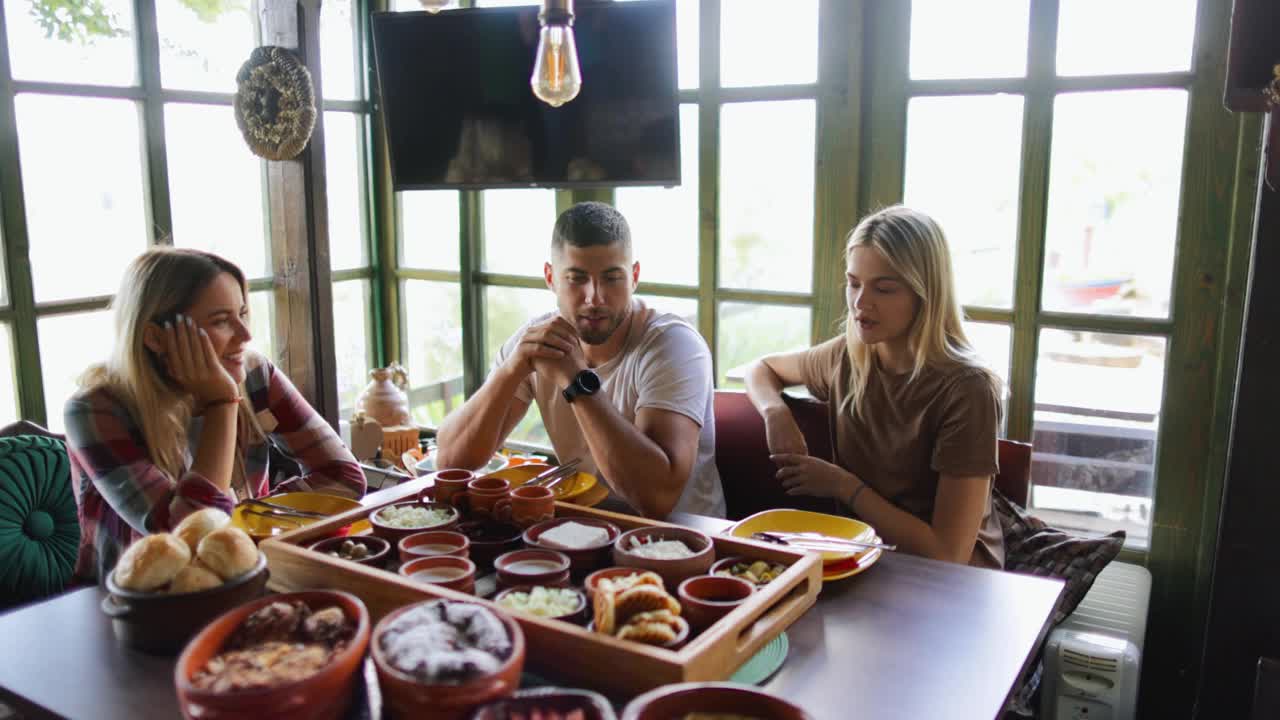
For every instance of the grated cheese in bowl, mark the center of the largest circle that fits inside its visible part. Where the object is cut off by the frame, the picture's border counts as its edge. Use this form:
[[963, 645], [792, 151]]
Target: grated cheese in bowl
[[661, 549], [543, 601]]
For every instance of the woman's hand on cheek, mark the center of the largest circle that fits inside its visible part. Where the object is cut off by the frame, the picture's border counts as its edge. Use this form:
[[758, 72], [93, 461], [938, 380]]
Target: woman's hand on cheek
[[807, 475]]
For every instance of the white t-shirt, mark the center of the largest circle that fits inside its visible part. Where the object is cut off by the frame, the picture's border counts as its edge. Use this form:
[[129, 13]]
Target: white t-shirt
[[663, 364]]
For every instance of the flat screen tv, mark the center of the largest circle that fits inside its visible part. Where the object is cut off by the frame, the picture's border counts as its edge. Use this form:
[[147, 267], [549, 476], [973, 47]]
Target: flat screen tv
[[459, 111]]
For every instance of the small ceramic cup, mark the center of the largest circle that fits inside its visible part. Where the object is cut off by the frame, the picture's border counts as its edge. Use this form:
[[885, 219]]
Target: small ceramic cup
[[705, 599], [448, 483], [532, 567], [448, 571], [481, 496], [434, 543], [526, 506]]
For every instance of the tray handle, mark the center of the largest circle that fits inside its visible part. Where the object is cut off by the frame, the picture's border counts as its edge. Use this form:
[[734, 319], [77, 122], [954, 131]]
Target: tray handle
[[771, 621]]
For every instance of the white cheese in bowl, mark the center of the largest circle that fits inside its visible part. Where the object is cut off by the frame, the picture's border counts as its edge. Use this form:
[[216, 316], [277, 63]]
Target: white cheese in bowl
[[574, 536], [661, 550]]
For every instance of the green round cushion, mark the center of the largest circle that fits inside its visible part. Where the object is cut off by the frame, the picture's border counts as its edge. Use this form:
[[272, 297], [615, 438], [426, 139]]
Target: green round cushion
[[39, 527]]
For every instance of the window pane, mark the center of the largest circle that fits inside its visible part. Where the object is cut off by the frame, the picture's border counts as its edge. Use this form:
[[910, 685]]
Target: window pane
[[208, 160], [203, 45], [992, 341], [1096, 417], [90, 43], [8, 381], [686, 308], [85, 220], [1114, 181], [351, 340], [766, 195], [994, 46], [345, 176], [429, 229], [506, 309], [517, 230], [664, 221], [763, 42], [262, 323], [969, 187], [747, 332], [339, 63], [69, 344], [433, 348], [1096, 37]]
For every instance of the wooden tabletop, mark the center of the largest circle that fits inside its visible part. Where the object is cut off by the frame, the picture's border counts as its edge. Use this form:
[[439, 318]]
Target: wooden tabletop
[[908, 638]]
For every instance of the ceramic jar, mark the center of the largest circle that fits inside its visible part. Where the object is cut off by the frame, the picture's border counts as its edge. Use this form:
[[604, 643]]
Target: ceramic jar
[[386, 399]]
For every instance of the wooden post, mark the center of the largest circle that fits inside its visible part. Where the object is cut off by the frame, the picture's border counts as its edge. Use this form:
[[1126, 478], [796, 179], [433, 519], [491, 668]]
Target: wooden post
[[298, 207]]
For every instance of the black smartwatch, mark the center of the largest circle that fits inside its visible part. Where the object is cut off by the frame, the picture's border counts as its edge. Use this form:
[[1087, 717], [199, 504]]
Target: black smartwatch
[[586, 382]]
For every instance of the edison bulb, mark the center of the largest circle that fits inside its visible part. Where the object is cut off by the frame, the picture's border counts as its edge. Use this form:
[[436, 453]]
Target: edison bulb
[[557, 78], [434, 6]]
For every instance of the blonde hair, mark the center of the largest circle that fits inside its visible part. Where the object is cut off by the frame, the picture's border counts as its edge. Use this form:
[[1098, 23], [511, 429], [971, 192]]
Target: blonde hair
[[157, 285], [916, 249]]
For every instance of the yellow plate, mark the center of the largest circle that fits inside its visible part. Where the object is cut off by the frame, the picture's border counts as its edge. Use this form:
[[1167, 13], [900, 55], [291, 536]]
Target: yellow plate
[[261, 527], [566, 489], [862, 563], [804, 521]]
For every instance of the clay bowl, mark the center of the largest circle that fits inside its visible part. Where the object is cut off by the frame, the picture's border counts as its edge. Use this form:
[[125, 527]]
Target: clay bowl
[[455, 573], [610, 572], [577, 616], [582, 560], [378, 548], [680, 699], [395, 534], [673, 571], [545, 701], [325, 695], [724, 564], [433, 543], [158, 622], [408, 697], [490, 539], [532, 567], [705, 599]]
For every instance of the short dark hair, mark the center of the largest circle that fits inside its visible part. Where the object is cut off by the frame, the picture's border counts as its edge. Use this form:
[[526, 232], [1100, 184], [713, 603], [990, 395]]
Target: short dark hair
[[590, 224]]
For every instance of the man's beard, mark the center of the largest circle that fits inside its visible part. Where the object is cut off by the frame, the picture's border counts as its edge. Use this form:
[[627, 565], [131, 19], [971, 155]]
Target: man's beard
[[600, 337]]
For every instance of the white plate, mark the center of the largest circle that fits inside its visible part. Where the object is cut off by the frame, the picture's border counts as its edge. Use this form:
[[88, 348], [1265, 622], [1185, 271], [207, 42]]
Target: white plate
[[428, 464]]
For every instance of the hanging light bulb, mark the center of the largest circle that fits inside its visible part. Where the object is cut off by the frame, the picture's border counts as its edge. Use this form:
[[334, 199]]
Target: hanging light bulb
[[434, 6], [556, 75]]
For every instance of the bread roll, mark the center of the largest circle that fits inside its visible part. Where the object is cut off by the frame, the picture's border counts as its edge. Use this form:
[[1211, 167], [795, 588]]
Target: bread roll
[[228, 551], [151, 562], [198, 524], [193, 578]]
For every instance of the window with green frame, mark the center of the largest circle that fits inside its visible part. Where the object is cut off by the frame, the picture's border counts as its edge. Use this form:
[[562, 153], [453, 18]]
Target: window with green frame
[[161, 162]]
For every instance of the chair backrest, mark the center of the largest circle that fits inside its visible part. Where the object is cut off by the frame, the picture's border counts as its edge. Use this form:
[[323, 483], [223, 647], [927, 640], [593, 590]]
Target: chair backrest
[[26, 427], [742, 456], [39, 525]]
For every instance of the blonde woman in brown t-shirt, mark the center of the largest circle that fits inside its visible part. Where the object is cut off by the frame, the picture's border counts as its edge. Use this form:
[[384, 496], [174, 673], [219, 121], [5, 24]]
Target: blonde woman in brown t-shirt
[[914, 414]]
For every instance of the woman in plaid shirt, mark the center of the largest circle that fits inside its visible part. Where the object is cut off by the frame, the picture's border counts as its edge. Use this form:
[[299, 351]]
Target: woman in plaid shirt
[[181, 415]]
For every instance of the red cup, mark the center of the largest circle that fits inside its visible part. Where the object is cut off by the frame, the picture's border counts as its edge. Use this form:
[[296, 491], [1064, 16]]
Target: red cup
[[526, 506], [482, 496], [434, 543], [448, 571], [450, 482]]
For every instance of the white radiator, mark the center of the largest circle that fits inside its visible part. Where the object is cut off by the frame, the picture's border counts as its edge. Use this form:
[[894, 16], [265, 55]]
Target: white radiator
[[1093, 659]]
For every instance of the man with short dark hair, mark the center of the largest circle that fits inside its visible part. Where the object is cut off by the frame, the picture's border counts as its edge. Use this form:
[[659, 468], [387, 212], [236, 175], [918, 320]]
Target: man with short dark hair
[[624, 387]]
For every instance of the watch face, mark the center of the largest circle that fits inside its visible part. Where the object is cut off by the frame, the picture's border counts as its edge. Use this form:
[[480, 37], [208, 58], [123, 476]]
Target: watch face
[[589, 381]]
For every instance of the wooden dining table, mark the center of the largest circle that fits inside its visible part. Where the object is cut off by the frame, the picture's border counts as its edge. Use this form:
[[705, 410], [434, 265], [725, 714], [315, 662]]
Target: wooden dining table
[[907, 638]]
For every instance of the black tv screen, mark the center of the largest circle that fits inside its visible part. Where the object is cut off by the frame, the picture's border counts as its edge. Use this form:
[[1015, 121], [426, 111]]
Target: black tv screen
[[459, 111]]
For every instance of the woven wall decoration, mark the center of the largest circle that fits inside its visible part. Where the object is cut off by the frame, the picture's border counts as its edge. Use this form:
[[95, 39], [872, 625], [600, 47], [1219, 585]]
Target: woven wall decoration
[[275, 103]]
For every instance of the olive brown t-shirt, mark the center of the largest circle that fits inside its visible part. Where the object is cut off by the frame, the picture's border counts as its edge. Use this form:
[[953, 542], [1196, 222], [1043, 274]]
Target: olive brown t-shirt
[[912, 432]]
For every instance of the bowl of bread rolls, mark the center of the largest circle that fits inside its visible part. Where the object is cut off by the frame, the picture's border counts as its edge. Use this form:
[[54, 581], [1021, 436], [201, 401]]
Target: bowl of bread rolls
[[166, 586]]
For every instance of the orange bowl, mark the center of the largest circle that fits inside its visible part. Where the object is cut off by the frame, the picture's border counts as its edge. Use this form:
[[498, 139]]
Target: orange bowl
[[322, 696], [680, 699]]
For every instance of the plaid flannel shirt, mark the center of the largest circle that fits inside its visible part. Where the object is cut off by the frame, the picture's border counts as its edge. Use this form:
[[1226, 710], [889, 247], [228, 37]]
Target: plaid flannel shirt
[[123, 496]]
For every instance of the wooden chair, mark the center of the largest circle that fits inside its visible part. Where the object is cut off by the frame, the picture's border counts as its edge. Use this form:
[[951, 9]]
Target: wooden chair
[[747, 474], [26, 427]]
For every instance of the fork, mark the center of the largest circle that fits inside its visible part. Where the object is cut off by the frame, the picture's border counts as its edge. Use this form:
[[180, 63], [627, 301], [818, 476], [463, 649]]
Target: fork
[[554, 475], [818, 542], [276, 509]]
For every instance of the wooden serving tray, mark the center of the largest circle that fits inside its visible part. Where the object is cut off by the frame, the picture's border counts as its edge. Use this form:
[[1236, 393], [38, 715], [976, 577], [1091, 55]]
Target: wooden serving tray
[[558, 649]]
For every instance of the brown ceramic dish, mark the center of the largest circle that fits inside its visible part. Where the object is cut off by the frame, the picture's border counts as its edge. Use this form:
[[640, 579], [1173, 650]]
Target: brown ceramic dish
[[578, 616], [582, 560], [610, 572], [547, 700], [449, 571], [378, 548], [673, 571], [395, 534], [680, 699], [322, 696], [158, 622], [532, 567], [407, 697], [726, 563], [705, 599], [433, 543], [489, 540]]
